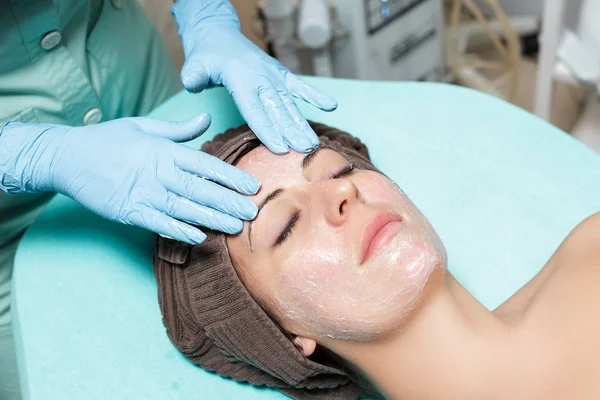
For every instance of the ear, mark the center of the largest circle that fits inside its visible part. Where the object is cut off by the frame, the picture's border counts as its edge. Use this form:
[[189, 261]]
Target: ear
[[305, 345]]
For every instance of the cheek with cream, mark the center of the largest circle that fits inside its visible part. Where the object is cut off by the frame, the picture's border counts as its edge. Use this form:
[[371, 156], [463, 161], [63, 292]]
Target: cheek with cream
[[376, 188], [322, 288]]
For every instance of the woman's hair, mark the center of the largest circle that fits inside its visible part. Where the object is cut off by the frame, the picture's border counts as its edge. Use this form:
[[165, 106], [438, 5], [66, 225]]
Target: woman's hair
[[324, 132], [215, 321]]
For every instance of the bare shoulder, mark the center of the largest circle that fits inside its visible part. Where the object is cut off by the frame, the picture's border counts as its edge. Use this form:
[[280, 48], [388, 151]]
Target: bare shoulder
[[589, 226], [575, 275], [577, 256], [563, 312], [582, 244]]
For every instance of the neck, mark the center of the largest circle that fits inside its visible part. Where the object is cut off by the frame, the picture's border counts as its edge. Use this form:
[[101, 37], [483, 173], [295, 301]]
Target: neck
[[451, 347]]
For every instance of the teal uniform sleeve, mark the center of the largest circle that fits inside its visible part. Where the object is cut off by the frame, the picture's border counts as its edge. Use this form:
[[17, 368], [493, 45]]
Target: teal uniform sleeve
[[70, 62]]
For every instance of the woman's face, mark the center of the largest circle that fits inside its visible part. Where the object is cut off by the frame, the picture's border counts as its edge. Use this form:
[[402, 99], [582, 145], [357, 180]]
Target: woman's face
[[334, 252]]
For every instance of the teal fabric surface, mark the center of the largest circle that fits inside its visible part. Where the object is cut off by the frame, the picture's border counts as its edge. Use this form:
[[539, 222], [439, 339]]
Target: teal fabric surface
[[502, 188]]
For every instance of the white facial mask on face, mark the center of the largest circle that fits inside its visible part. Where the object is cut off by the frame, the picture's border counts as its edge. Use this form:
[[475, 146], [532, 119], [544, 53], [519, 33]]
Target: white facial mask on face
[[323, 289]]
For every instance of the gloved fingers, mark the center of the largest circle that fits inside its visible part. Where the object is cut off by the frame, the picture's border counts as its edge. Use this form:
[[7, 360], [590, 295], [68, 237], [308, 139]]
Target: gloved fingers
[[276, 101], [188, 211], [251, 107], [193, 75], [303, 126], [210, 167], [305, 91], [176, 131], [167, 226], [212, 196]]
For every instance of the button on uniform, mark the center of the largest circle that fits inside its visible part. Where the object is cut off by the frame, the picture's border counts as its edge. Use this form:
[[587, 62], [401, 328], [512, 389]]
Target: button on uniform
[[50, 40], [92, 116], [118, 4]]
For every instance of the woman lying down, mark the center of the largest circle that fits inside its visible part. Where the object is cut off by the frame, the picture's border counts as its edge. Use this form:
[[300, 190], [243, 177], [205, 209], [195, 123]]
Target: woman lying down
[[339, 289]]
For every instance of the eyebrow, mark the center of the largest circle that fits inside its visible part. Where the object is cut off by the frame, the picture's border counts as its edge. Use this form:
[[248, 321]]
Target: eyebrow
[[275, 193], [310, 157]]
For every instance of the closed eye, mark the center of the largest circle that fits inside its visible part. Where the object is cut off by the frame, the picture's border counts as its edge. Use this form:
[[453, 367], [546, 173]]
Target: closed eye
[[288, 229], [346, 171]]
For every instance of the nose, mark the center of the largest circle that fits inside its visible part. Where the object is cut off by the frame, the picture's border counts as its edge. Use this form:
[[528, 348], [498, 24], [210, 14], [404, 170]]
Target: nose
[[338, 196]]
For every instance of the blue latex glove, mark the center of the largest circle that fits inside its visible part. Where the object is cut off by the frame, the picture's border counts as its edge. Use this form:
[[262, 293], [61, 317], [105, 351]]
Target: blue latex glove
[[217, 53], [130, 170]]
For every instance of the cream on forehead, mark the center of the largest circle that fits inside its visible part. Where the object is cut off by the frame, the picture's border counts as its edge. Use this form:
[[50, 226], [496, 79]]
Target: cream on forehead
[[272, 170], [283, 171], [260, 156]]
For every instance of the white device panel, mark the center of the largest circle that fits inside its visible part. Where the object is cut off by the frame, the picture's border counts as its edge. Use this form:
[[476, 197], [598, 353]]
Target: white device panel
[[389, 40]]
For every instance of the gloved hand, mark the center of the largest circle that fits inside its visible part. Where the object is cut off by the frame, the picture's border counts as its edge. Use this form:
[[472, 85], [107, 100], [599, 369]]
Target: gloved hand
[[217, 53], [130, 170]]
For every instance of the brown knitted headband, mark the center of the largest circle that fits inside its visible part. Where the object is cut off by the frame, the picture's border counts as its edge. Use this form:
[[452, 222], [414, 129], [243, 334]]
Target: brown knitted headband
[[212, 318]]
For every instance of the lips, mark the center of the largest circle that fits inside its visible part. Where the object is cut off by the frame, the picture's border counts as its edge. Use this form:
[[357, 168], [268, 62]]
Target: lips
[[376, 232]]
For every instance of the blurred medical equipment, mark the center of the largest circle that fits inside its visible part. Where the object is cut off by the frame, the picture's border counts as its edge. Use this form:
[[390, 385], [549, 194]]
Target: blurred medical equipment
[[572, 57], [314, 30], [566, 55], [280, 16], [390, 40], [579, 52], [87, 322], [549, 40], [359, 39], [503, 32]]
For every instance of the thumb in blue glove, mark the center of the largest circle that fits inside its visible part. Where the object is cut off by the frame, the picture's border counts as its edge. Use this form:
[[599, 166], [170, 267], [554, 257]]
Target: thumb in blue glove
[[132, 171]]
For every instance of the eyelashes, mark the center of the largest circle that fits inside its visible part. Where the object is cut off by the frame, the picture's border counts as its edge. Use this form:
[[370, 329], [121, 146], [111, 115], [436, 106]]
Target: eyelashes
[[345, 171], [287, 230]]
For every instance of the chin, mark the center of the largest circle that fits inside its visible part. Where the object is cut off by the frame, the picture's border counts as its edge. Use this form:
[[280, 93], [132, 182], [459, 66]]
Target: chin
[[413, 277]]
